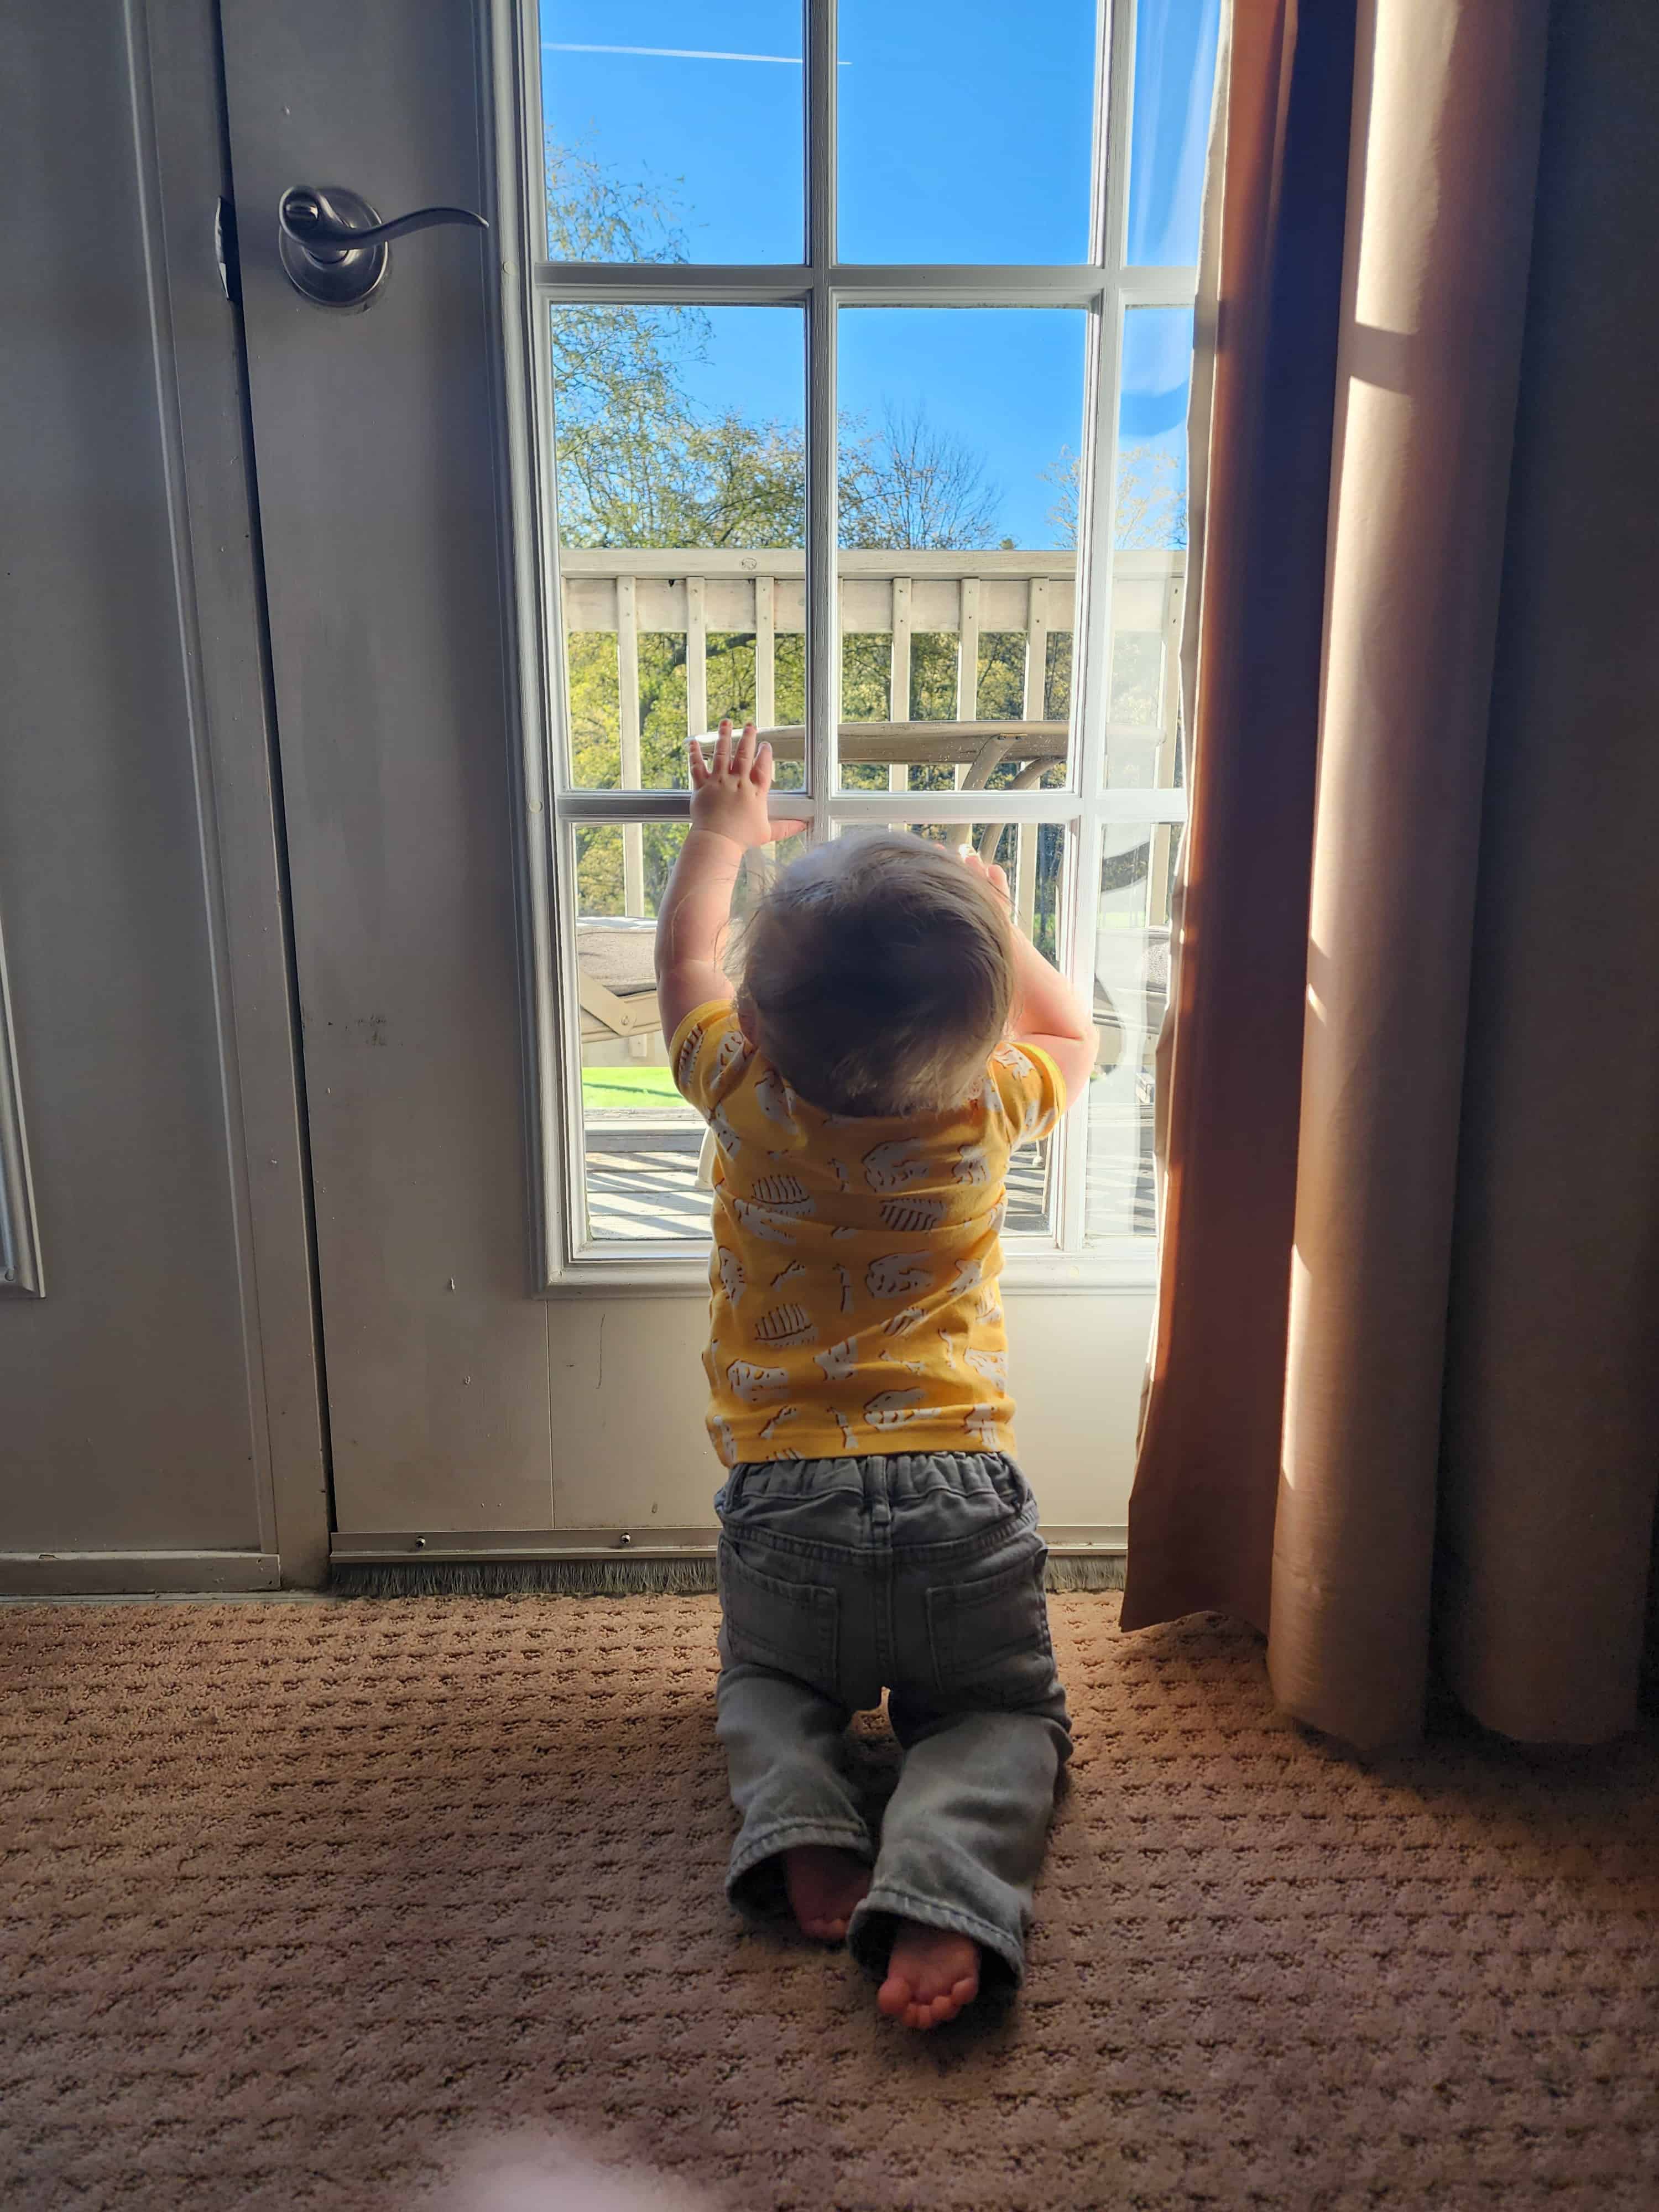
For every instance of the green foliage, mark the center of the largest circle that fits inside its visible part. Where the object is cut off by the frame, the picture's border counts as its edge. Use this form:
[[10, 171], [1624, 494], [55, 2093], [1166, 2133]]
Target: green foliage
[[599, 882]]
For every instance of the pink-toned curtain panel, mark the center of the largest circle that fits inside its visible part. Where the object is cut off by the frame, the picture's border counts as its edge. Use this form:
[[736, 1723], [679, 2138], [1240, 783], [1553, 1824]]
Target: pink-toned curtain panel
[[1371, 540]]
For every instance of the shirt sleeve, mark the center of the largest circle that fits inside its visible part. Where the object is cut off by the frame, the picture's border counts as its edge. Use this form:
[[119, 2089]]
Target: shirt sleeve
[[708, 1054], [1029, 1089]]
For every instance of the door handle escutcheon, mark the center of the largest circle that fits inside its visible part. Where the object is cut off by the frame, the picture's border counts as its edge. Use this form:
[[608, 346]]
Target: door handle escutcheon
[[334, 248]]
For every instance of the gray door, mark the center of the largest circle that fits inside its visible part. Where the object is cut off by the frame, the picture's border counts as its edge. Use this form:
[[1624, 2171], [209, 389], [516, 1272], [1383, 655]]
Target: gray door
[[373, 434], [159, 1415]]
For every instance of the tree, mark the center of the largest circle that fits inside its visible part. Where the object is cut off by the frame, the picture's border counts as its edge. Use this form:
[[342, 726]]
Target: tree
[[661, 476], [1148, 511], [911, 485], [642, 468], [613, 363]]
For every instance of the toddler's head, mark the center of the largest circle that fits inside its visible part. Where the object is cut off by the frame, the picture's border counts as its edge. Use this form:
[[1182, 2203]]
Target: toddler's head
[[877, 973]]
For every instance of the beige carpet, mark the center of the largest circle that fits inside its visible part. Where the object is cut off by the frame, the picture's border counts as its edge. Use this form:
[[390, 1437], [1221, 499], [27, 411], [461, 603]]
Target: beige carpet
[[296, 1900]]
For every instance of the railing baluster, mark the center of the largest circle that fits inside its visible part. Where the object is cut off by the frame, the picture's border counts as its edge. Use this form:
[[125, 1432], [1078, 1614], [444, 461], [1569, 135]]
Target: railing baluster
[[1036, 681], [696, 659], [761, 861], [628, 704], [898, 686], [766, 712], [967, 660]]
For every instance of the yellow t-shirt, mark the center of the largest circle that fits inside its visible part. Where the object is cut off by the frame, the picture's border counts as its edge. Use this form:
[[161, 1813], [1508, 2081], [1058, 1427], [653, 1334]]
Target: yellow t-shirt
[[853, 1281]]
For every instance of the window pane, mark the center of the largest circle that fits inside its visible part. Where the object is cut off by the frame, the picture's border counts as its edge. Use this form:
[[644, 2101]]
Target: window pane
[[1148, 531], [641, 1140], [1174, 75], [964, 130], [681, 484], [673, 135], [958, 533], [1033, 856], [1132, 981]]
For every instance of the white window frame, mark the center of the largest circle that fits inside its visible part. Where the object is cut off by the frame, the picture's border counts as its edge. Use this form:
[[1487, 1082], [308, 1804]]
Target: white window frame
[[549, 809]]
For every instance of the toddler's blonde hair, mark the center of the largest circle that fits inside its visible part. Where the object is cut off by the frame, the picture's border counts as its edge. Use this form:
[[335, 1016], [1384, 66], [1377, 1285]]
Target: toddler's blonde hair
[[876, 975]]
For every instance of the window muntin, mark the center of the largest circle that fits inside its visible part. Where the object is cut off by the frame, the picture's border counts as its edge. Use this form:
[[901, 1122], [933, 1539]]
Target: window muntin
[[1112, 784]]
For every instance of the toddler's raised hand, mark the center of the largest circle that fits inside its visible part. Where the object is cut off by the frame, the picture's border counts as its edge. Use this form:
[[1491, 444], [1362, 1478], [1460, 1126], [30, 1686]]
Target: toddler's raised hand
[[992, 874], [729, 793]]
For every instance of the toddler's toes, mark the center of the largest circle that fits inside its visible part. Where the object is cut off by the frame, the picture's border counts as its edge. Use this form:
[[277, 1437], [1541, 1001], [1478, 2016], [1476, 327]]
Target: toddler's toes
[[931, 1975], [825, 1885]]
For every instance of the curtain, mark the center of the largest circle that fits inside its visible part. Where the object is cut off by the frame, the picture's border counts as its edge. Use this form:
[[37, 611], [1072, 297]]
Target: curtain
[[1399, 1405]]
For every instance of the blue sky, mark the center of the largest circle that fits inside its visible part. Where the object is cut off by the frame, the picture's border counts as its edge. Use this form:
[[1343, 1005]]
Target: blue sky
[[964, 136]]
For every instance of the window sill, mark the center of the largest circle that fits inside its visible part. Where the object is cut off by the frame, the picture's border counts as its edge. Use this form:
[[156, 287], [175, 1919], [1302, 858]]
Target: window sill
[[1124, 1264]]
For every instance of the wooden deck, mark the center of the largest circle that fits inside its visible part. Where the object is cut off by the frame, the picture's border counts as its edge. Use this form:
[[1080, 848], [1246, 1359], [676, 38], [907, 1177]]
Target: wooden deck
[[642, 1183]]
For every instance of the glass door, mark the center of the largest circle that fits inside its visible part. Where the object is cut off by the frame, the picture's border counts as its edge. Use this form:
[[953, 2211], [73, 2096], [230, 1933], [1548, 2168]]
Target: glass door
[[752, 400]]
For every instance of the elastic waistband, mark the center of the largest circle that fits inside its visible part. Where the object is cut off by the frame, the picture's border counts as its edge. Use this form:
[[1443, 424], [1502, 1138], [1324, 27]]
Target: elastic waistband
[[894, 1477]]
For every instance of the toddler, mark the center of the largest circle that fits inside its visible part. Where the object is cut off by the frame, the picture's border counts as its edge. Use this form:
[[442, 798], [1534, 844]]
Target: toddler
[[892, 1039]]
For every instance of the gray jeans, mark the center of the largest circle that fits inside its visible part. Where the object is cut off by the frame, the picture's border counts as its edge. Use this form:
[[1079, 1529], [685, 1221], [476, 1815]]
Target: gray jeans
[[921, 1574]]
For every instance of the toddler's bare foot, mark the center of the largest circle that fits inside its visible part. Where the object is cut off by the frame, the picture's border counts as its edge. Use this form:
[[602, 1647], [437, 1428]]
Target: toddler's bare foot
[[931, 1973], [824, 1884]]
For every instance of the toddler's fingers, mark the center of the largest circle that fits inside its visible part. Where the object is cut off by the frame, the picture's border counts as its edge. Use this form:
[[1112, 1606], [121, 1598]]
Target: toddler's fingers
[[988, 872], [761, 773], [743, 758], [723, 748], [699, 765]]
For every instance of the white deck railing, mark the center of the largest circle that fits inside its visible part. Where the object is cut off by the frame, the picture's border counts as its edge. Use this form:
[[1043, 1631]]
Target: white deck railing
[[762, 593]]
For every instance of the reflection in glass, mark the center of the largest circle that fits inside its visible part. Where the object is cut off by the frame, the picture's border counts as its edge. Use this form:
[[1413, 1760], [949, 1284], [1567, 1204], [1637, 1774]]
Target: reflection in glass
[[958, 532], [673, 135], [641, 1140], [964, 133], [1174, 78], [1151, 427], [1150, 536], [677, 438], [1143, 750], [1132, 982]]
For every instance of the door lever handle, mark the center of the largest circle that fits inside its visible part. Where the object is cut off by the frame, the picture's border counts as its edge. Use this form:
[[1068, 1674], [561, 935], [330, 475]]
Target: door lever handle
[[334, 248]]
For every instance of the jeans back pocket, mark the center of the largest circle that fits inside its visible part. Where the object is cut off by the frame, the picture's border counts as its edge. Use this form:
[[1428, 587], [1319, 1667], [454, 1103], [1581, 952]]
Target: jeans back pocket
[[768, 1621], [988, 1637]]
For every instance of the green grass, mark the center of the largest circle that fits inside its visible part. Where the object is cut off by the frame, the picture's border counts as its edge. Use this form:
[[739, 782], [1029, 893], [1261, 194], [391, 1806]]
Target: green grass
[[619, 1089]]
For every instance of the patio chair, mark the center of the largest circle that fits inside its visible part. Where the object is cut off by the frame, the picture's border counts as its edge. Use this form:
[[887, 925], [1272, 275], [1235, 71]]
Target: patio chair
[[616, 977]]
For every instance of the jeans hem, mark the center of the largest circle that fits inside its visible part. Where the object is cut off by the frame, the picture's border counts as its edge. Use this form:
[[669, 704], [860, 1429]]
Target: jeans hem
[[869, 1945], [754, 1884]]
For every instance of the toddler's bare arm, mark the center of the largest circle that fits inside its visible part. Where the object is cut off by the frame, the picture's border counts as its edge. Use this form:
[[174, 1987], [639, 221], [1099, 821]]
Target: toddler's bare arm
[[728, 815], [1047, 1011]]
